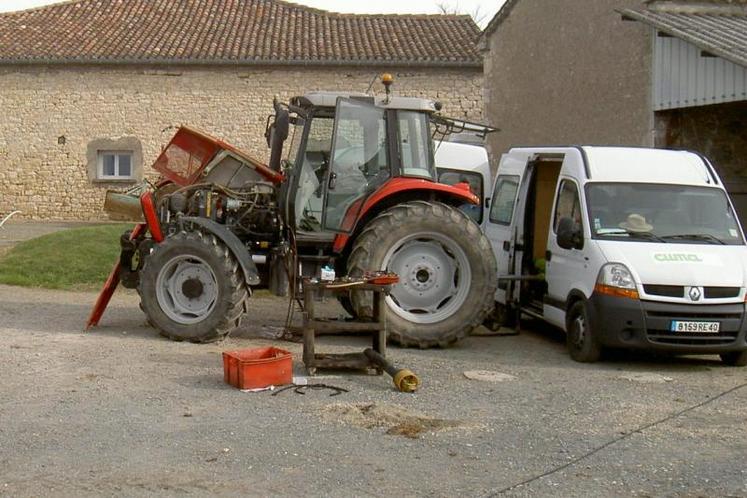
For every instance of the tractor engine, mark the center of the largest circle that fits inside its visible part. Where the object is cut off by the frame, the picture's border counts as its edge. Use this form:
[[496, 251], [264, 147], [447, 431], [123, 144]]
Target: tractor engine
[[250, 211]]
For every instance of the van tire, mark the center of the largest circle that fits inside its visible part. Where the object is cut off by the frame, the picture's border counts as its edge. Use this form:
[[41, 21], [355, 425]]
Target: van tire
[[734, 358], [501, 316], [581, 340]]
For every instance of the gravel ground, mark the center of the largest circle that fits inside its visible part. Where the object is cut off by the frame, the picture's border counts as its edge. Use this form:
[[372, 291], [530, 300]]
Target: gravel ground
[[120, 411]]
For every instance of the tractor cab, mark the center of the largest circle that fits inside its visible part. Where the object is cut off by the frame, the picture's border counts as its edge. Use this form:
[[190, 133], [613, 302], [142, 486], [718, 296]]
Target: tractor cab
[[348, 151], [344, 148]]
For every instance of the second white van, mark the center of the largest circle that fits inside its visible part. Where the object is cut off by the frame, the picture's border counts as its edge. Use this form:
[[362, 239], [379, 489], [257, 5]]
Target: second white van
[[620, 247]]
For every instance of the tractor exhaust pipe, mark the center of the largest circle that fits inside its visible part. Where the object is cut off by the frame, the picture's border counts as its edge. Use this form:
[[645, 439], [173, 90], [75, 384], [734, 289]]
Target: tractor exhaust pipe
[[123, 207], [277, 133]]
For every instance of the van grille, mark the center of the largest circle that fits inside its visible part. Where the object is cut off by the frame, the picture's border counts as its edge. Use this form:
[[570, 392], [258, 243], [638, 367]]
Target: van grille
[[714, 316], [664, 290], [721, 292], [679, 291], [693, 339]]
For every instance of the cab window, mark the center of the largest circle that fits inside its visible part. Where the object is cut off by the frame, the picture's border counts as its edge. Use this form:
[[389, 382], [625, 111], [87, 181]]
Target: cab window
[[504, 199], [568, 204], [474, 180], [414, 144]]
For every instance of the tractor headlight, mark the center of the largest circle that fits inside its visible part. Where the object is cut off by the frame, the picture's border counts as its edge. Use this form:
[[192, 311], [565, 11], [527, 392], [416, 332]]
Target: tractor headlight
[[616, 280]]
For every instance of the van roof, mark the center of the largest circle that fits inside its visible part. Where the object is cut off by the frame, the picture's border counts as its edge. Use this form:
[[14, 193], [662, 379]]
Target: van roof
[[459, 156], [630, 164], [637, 164]]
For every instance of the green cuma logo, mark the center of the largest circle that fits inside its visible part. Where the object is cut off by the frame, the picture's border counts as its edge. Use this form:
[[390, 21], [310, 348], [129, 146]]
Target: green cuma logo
[[687, 258]]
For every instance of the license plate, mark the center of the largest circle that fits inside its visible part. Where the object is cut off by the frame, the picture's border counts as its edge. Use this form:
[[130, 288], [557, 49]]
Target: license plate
[[707, 327]]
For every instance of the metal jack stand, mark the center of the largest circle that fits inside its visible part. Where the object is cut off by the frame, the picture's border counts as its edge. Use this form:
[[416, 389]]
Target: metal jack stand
[[313, 325]]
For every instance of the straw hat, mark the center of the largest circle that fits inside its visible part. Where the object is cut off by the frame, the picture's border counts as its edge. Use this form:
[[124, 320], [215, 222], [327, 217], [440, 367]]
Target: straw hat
[[636, 223]]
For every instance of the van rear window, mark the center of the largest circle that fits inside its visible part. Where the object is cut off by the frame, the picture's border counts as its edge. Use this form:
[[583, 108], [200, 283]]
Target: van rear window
[[452, 177]]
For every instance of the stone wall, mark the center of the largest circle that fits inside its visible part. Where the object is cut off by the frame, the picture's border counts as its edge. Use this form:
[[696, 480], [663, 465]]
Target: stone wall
[[717, 131], [50, 116], [568, 73]]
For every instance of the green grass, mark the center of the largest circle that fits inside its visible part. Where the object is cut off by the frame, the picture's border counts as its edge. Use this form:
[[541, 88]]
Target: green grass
[[77, 259]]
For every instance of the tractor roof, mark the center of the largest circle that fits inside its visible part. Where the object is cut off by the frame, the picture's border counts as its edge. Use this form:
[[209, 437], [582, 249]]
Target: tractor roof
[[329, 99]]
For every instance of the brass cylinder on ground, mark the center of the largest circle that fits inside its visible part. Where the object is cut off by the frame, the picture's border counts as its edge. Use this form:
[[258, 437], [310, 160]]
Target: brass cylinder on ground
[[404, 380]]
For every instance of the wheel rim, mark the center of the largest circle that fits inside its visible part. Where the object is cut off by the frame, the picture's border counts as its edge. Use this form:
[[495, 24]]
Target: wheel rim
[[579, 327], [187, 289], [435, 277]]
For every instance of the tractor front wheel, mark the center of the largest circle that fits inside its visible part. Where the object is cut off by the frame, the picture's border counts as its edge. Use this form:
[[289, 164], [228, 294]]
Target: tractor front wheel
[[447, 271], [192, 288]]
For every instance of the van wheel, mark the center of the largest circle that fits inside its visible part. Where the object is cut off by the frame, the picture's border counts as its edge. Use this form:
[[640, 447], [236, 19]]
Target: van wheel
[[735, 358], [501, 316], [580, 336]]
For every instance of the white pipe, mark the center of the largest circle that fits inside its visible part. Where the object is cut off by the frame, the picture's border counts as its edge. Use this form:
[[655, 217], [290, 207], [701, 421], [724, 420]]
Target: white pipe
[[259, 259], [8, 217]]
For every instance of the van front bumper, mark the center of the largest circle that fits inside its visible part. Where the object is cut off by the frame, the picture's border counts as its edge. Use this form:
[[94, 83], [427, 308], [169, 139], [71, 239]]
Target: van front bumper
[[628, 323]]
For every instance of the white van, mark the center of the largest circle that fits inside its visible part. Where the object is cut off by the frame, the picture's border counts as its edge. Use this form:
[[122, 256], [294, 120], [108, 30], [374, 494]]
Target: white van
[[621, 247], [466, 163]]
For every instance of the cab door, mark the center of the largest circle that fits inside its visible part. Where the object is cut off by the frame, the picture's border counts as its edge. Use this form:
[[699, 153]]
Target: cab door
[[359, 161], [566, 269], [502, 225]]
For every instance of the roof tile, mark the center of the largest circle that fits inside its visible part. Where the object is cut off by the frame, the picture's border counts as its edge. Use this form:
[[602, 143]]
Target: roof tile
[[231, 32]]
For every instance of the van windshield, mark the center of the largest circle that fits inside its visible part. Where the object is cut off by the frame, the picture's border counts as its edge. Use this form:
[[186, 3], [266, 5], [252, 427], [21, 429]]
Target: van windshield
[[678, 214]]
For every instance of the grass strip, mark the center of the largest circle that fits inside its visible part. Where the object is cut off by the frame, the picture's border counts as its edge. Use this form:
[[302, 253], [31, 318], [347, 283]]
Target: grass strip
[[75, 259]]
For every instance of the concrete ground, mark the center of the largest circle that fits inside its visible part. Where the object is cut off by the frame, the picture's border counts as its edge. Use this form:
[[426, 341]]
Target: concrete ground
[[123, 412]]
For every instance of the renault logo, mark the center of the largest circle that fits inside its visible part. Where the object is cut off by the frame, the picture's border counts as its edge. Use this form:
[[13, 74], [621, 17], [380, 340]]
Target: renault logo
[[694, 294]]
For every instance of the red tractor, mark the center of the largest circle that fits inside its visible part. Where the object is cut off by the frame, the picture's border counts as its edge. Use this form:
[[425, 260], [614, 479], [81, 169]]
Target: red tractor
[[356, 191]]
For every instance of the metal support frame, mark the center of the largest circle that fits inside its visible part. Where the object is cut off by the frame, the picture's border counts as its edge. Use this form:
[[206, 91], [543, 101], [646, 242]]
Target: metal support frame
[[313, 325]]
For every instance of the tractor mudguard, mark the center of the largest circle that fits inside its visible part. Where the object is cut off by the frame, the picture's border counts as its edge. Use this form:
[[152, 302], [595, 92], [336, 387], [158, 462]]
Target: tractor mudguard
[[239, 250], [419, 187]]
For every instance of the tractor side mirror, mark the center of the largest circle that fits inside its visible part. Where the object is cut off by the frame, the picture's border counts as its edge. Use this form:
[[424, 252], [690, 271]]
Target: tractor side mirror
[[569, 234], [277, 134]]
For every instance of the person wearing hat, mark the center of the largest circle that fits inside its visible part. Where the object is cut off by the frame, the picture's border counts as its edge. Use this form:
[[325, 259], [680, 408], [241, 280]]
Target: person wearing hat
[[636, 223]]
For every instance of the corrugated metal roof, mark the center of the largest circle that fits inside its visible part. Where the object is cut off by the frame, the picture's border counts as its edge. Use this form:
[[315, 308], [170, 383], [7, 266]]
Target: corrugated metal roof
[[684, 78], [718, 30]]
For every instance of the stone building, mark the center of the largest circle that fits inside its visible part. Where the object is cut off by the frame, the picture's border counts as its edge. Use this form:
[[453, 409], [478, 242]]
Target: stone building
[[665, 73], [90, 90]]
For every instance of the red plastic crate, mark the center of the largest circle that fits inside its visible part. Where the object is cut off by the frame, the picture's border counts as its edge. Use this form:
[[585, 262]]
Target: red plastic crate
[[257, 368]]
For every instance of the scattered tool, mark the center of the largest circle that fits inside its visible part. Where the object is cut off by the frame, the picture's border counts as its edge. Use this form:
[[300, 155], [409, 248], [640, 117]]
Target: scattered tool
[[301, 389], [404, 380]]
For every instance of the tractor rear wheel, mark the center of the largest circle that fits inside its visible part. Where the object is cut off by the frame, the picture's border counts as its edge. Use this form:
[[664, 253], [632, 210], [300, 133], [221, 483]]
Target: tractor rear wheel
[[192, 288], [448, 275]]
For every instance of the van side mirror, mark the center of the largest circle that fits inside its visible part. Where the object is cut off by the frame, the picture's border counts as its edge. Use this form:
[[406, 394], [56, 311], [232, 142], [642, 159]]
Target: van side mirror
[[569, 234]]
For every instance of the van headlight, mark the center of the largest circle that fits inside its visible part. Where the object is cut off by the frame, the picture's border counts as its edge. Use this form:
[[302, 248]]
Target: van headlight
[[616, 280]]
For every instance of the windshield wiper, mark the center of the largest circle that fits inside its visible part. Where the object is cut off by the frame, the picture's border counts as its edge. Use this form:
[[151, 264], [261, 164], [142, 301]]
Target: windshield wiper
[[696, 236], [614, 232], [646, 235]]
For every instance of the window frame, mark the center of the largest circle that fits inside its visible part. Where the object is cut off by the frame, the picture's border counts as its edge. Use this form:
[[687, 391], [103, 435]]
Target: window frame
[[432, 169], [386, 117], [476, 174], [555, 219], [116, 177], [494, 197]]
